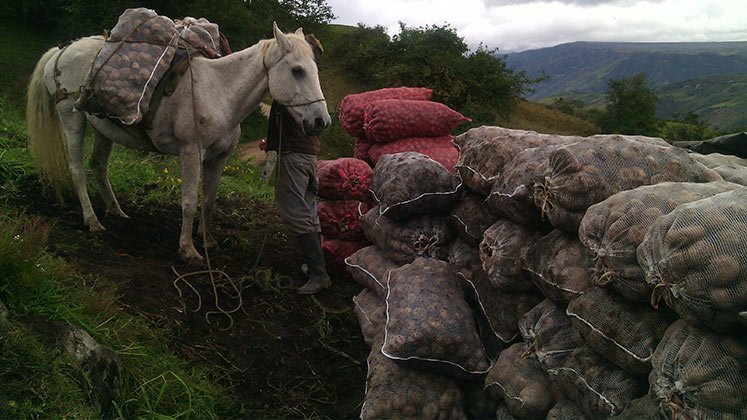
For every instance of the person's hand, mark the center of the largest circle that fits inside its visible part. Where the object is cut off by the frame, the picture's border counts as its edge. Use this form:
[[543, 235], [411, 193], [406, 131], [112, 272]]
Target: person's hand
[[263, 145]]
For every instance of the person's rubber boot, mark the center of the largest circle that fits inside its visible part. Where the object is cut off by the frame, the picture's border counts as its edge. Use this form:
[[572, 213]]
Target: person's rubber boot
[[311, 247]]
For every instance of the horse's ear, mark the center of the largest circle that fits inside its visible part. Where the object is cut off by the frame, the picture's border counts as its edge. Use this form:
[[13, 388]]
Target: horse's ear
[[299, 32], [281, 38]]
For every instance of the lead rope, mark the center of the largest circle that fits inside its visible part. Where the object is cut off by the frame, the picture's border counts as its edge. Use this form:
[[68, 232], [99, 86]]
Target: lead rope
[[211, 273]]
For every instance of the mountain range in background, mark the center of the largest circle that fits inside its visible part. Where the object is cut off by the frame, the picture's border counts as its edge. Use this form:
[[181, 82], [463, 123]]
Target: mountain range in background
[[707, 78]]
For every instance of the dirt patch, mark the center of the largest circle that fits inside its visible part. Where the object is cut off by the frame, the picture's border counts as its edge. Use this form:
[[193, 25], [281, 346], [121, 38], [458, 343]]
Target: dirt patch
[[282, 354]]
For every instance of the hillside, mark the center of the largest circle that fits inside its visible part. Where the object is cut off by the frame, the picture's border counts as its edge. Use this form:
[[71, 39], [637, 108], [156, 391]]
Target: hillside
[[582, 69]]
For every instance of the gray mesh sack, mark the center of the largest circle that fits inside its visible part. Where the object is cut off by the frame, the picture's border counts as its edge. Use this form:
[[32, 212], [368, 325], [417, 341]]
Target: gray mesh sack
[[403, 241], [369, 267], [623, 331], [429, 324], [394, 391], [695, 258], [596, 386], [565, 410], [370, 309], [699, 374], [579, 175], [614, 228], [518, 379], [410, 184], [501, 250], [549, 333], [560, 266], [470, 217]]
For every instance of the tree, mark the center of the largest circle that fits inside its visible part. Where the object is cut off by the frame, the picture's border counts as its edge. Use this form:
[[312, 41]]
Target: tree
[[631, 107]]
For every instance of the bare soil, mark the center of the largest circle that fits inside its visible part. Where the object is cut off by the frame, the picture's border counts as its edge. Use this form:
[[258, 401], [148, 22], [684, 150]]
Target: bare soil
[[283, 355]]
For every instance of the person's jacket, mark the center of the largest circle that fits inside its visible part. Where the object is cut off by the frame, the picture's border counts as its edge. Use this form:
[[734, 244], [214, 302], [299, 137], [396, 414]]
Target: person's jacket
[[293, 138]]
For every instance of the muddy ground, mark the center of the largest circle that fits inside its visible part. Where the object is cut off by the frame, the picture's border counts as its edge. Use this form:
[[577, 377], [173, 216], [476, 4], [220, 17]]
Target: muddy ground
[[282, 354]]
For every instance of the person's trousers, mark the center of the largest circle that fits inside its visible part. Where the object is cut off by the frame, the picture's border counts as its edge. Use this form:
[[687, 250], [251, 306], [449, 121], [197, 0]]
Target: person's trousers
[[295, 192]]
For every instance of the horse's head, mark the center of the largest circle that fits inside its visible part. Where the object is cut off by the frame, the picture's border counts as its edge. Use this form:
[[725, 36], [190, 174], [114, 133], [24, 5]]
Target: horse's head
[[294, 80]]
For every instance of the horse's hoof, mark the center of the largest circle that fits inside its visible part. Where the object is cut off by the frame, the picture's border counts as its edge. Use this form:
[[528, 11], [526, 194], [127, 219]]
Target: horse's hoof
[[193, 259], [96, 227], [117, 213]]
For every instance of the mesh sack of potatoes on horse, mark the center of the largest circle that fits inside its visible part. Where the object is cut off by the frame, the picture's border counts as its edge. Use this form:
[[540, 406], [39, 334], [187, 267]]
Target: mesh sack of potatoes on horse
[[340, 219], [441, 149], [353, 106], [136, 55], [470, 217], [429, 323], [598, 387], [484, 153], [549, 334], [500, 310], [696, 260], [565, 410], [502, 249], [699, 374], [410, 184], [344, 179], [394, 119], [370, 267], [733, 173], [370, 309], [624, 332], [403, 241], [395, 391], [614, 228], [560, 266], [579, 175], [519, 381]]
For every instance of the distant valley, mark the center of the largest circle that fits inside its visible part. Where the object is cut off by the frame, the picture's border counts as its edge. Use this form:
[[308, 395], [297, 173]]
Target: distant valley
[[708, 78]]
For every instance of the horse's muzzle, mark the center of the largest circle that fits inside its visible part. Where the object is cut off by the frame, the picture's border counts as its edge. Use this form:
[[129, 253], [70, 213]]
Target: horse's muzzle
[[316, 125]]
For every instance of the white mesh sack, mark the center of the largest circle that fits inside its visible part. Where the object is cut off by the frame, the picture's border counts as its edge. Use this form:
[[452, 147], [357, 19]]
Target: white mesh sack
[[579, 175], [695, 258], [520, 382], [733, 173], [699, 374], [560, 266], [614, 228], [623, 331], [503, 245]]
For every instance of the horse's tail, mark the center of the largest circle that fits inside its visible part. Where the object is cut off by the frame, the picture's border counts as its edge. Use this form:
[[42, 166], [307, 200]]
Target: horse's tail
[[46, 137]]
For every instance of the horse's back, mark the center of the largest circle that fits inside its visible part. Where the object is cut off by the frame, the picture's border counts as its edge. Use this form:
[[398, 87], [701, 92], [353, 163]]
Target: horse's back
[[73, 63]]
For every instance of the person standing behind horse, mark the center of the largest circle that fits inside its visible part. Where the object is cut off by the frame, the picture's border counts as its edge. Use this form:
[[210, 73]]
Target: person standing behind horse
[[295, 191]]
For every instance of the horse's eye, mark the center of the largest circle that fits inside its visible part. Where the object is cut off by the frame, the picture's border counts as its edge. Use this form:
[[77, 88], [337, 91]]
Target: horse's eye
[[298, 72]]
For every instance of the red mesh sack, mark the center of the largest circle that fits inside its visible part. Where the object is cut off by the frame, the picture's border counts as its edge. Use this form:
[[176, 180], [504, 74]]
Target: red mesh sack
[[335, 252], [361, 151], [352, 106], [411, 144], [339, 219], [344, 179], [393, 119]]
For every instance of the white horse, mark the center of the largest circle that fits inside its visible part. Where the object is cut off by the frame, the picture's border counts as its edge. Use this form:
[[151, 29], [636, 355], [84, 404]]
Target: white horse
[[199, 122]]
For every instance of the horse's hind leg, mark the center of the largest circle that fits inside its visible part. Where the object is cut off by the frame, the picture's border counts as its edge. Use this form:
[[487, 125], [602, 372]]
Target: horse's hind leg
[[74, 125], [102, 149]]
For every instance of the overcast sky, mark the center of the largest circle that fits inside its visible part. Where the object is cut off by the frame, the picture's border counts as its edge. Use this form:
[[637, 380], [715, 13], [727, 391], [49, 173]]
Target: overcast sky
[[517, 25]]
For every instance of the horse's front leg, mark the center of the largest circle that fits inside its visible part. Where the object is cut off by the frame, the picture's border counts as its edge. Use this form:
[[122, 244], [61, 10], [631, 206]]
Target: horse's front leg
[[190, 171], [74, 125], [212, 171]]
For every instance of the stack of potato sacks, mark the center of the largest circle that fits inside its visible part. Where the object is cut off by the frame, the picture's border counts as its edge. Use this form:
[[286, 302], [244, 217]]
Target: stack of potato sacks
[[603, 276], [402, 119], [344, 190]]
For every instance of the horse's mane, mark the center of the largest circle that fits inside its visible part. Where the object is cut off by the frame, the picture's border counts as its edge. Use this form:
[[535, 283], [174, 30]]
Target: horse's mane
[[265, 44]]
